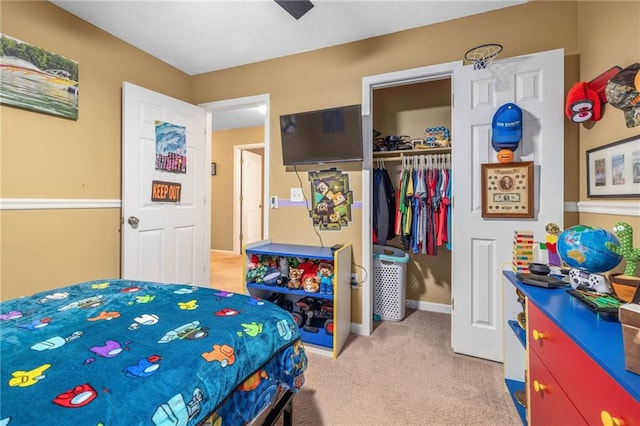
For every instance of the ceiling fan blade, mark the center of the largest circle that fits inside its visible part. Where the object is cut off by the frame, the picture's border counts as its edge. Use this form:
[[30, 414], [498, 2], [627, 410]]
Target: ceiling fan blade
[[295, 8]]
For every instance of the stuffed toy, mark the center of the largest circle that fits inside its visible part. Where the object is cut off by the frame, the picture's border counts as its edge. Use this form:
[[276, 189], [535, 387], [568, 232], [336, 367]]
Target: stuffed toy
[[308, 268], [282, 281], [271, 276], [583, 103], [325, 274], [256, 274], [311, 284], [295, 278]]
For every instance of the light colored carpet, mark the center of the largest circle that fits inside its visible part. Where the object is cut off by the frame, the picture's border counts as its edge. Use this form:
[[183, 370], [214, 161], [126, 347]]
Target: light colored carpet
[[405, 373]]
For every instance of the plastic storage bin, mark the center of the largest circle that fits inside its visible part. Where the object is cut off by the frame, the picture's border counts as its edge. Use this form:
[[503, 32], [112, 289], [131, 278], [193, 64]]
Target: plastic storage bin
[[389, 279]]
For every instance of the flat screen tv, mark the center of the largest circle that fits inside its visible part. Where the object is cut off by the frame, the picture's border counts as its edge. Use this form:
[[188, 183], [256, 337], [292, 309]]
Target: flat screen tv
[[324, 136]]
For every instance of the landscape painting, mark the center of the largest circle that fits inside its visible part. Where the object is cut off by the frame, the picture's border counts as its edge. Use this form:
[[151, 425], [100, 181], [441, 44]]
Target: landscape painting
[[36, 79]]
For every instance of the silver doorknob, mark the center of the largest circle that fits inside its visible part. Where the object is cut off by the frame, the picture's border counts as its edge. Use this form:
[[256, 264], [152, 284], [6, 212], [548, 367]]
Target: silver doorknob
[[133, 221]]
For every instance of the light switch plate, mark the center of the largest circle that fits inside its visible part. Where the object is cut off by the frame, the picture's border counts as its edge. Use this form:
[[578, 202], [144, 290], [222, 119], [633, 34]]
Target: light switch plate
[[296, 195]]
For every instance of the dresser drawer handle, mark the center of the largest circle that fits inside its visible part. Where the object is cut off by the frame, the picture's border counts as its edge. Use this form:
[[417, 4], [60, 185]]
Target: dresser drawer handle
[[537, 335], [539, 387], [609, 420]]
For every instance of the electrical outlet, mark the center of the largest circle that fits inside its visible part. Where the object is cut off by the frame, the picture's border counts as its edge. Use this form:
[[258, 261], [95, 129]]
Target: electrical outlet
[[354, 279], [296, 195]]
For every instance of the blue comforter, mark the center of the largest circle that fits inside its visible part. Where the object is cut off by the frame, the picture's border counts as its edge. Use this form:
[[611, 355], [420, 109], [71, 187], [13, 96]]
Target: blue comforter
[[118, 352]]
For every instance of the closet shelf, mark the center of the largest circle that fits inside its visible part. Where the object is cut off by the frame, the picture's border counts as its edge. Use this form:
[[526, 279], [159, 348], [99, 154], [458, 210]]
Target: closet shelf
[[395, 155]]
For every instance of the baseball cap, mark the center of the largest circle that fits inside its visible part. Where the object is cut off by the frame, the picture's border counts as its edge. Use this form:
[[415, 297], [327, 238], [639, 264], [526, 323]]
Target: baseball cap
[[506, 128], [623, 93], [583, 103]]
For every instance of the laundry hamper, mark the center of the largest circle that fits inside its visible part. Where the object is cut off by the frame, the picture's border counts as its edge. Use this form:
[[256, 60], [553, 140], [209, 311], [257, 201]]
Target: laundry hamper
[[389, 279]]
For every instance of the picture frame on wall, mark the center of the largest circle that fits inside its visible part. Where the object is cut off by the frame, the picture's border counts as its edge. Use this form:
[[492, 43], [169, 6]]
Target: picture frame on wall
[[613, 170], [507, 190], [35, 79]]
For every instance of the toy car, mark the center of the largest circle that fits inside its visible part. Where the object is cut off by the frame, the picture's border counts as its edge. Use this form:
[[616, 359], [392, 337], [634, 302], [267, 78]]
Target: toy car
[[281, 300], [312, 314]]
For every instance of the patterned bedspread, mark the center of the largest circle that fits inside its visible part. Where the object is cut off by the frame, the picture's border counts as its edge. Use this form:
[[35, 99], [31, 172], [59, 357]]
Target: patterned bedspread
[[118, 352]]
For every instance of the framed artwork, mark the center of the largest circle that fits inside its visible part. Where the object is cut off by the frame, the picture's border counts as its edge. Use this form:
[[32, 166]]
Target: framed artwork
[[507, 190], [613, 170], [38, 80]]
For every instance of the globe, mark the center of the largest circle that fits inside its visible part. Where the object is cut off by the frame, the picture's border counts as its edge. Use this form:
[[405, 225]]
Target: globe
[[584, 247]]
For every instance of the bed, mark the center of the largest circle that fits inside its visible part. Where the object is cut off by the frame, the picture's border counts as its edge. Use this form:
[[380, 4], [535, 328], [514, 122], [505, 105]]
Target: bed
[[119, 352]]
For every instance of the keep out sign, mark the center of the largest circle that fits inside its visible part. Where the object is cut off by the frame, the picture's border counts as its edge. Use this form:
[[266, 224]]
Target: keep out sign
[[165, 191]]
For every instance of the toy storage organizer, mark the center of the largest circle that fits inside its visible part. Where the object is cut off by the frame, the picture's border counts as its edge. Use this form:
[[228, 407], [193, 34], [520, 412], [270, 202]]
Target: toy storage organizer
[[390, 282], [321, 338]]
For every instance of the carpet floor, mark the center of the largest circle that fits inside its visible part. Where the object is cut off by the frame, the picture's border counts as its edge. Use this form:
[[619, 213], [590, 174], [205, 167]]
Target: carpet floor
[[405, 373]]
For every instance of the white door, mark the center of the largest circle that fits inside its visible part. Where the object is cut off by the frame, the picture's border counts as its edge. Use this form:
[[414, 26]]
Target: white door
[[251, 197], [482, 248], [163, 241]]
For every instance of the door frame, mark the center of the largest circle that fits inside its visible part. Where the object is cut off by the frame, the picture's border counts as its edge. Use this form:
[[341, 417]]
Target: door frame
[[237, 191], [369, 83], [242, 103]]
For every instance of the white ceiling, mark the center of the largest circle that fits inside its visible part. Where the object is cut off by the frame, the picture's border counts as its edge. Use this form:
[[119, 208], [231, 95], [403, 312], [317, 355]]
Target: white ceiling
[[199, 36]]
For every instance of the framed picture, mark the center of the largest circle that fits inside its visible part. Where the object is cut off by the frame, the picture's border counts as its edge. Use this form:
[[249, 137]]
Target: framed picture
[[613, 170], [507, 190], [35, 79]]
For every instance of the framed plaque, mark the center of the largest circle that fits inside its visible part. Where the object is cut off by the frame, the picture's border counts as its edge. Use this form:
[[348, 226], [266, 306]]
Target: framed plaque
[[507, 190]]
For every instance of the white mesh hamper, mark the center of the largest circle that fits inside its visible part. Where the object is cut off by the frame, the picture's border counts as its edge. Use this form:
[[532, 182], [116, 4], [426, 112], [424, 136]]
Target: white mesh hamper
[[389, 280]]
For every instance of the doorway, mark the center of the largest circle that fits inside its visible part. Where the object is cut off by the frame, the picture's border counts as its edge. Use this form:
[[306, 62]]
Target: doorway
[[369, 84], [238, 126]]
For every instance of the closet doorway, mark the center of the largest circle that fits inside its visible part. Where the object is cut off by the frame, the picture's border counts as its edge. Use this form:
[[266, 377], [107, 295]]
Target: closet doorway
[[384, 105], [420, 225]]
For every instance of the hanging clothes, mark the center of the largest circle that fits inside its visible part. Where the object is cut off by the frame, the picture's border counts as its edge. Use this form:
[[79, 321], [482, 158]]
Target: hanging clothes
[[423, 216], [384, 206]]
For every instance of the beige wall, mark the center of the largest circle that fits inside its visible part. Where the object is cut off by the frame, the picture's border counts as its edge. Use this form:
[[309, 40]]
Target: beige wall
[[222, 149], [333, 76], [86, 153], [49, 157], [608, 35]]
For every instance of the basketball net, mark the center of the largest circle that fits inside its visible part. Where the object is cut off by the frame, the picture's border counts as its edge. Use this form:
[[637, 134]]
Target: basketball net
[[482, 57]]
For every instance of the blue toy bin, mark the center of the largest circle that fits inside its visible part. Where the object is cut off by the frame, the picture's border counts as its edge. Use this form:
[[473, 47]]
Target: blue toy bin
[[389, 279]]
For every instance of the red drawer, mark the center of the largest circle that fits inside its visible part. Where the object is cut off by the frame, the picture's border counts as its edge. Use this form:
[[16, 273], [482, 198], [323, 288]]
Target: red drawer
[[589, 387], [548, 404]]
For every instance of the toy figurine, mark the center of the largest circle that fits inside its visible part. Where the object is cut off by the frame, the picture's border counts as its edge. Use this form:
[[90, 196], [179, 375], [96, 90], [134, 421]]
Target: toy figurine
[[624, 232], [295, 278], [626, 285], [325, 274], [311, 284], [551, 242]]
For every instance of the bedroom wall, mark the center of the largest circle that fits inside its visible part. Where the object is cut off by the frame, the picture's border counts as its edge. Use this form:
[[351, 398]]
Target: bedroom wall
[[222, 148], [74, 245], [608, 35], [46, 157], [333, 76]]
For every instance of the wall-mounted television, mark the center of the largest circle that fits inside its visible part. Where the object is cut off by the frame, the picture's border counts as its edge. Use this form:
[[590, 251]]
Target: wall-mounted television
[[324, 136]]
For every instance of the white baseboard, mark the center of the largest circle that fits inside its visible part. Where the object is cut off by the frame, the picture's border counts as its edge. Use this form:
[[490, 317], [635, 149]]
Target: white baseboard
[[429, 306], [223, 251]]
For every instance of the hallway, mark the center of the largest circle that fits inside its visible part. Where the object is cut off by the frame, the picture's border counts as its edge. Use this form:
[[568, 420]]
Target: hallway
[[227, 272]]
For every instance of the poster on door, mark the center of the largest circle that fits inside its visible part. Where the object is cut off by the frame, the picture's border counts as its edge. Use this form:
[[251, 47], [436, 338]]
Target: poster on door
[[171, 148], [331, 199]]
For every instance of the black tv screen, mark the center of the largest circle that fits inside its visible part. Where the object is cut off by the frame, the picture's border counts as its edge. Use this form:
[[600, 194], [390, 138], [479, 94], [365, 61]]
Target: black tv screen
[[325, 136]]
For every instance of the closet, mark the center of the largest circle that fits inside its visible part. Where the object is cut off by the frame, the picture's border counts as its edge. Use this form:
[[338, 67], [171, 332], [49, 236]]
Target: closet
[[408, 110]]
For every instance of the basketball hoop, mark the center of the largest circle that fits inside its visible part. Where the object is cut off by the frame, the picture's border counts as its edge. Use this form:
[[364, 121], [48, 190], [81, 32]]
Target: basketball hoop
[[482, 56]]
